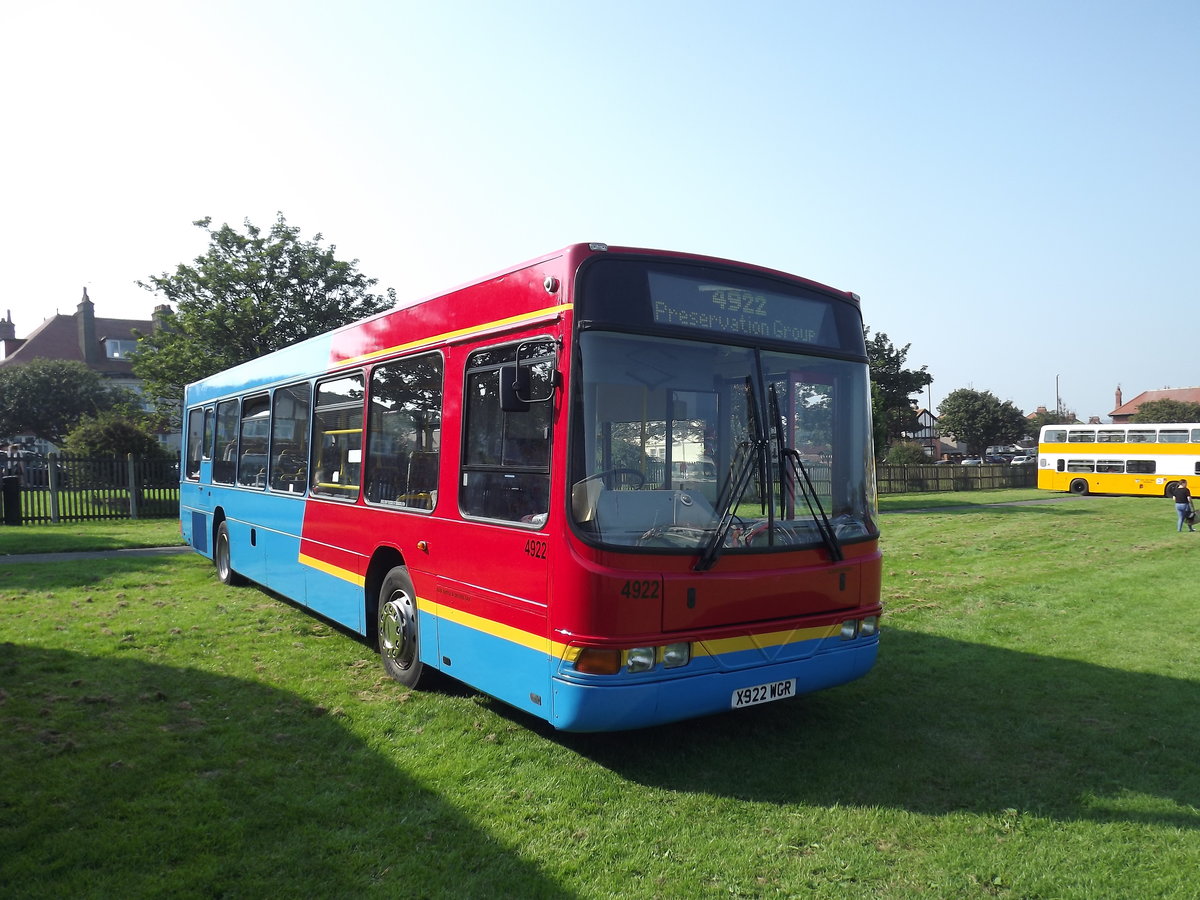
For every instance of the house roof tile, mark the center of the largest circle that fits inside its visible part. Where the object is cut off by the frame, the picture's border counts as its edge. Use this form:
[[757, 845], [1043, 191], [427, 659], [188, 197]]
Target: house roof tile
[[1186, 395], [58, 338]]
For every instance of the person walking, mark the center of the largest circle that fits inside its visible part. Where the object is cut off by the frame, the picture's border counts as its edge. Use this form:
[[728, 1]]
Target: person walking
[[1183, 504]]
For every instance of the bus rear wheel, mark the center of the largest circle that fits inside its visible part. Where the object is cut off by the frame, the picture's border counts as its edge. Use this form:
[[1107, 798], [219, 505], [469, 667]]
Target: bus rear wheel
[[1170, 489], [221, 557], [399, 643], [1079, 486]]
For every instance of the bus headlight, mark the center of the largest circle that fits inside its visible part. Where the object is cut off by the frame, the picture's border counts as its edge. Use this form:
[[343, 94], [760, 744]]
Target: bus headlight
[[869, 626], [676, 655], [639, 659], [849, 629]]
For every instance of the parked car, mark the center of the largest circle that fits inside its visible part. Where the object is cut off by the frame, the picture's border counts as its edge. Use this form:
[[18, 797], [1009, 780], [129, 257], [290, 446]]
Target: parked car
[[972, 461], [995, 460], [1023, 461]]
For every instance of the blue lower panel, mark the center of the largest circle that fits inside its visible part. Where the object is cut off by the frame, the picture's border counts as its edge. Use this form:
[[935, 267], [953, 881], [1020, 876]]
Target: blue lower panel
[[516, 674], [196, 531], [334, 598], [596, 706]]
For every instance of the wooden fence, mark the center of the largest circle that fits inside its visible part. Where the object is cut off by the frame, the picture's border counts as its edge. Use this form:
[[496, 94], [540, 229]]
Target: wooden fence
[[920, 479], [66, 488]]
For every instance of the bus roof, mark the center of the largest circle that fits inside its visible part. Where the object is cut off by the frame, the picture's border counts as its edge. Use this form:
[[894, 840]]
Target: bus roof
[[380, 332]]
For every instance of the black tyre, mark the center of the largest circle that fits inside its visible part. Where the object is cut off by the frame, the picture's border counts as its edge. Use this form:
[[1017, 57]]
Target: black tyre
[[399, 642], [225, 571], [1170, 489], [1079, 486]]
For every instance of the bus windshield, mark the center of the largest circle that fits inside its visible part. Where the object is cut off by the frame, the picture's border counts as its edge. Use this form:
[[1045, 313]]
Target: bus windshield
[[713, 448]]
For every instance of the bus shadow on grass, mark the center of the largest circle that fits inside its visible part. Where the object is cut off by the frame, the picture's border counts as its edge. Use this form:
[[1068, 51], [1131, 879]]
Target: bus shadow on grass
[[134, 779], [941, 726]]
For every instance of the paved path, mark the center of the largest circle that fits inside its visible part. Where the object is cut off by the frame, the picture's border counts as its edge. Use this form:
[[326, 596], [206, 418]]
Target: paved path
[[91, 554]]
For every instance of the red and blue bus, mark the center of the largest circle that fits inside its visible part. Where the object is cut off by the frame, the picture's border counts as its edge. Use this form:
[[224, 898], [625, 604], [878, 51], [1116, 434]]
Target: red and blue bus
[[611, 487]]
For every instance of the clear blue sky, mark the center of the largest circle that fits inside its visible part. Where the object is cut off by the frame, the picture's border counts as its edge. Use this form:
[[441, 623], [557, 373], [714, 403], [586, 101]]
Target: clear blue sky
[[1011, 187]]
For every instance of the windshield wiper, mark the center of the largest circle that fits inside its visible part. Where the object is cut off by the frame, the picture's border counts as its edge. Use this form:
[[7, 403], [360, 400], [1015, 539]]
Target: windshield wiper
[[799, 473], [747, 459]]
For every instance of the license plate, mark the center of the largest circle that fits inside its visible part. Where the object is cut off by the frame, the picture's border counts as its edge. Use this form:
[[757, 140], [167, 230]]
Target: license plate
[[763, 693]]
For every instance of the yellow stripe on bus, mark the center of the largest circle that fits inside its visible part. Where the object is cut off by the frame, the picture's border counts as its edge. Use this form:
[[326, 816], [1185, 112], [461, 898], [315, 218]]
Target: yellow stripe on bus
[[461, 332], [489, 627], [330, 569], [568, 652], [768, 639]]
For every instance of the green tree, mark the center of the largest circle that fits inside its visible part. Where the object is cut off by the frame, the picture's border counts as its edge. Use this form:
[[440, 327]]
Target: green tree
[[113, 434], [1040, 419], [249, 294], [892, 388], [48, 397], [1167, 410], [979, 419], [907, 453]]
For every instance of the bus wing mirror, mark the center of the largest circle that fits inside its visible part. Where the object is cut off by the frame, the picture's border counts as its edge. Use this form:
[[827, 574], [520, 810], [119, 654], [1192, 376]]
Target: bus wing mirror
[[514, 388]]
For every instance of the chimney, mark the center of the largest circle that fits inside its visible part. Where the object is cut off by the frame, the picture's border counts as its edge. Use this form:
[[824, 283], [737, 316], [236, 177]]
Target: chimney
[[162, 313], [1120, 402], [85, 315], [8, 337]]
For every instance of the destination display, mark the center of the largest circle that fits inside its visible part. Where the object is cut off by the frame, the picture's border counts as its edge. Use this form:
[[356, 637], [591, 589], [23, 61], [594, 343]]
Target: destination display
[[693, 303]]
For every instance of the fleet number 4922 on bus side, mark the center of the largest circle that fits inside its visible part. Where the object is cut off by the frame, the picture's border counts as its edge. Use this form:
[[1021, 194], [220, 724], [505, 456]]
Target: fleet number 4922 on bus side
[[611, 487]]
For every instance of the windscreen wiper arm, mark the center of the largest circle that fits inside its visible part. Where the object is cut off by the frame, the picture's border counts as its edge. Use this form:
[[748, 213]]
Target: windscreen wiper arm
[[747, 459], [744, 463], [800, 476], [817, 511]]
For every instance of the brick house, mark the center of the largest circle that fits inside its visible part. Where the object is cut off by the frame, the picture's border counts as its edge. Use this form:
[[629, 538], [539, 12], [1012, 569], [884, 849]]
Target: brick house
[[1125, 411], [102, 344]]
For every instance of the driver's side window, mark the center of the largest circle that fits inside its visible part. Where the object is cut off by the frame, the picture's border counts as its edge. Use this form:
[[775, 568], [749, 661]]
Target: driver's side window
[[506, 453]]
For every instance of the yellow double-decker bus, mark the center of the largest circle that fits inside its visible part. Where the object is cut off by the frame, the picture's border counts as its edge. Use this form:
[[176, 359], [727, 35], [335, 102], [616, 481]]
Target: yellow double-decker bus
[[1118, 459]]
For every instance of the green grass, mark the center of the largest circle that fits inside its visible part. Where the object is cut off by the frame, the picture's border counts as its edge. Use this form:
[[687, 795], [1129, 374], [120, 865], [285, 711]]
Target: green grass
[[950, 499], [63, 537], [1029, 732]]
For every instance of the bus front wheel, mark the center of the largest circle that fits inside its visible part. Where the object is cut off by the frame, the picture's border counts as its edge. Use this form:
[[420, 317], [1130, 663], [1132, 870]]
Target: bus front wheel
[[225, 573], [399, 644], [1170, 489], [1079, 486]]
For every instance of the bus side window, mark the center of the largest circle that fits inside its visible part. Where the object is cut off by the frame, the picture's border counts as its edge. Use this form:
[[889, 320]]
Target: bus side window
[[506, 453], [195, 444], [226, 438], [404, 432], [289, 439], [337, 437], [209, 418], [252, 441]]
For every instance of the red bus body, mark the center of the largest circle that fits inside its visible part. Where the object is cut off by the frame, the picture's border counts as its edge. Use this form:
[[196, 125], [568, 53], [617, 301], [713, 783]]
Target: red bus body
[[563, 612]]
